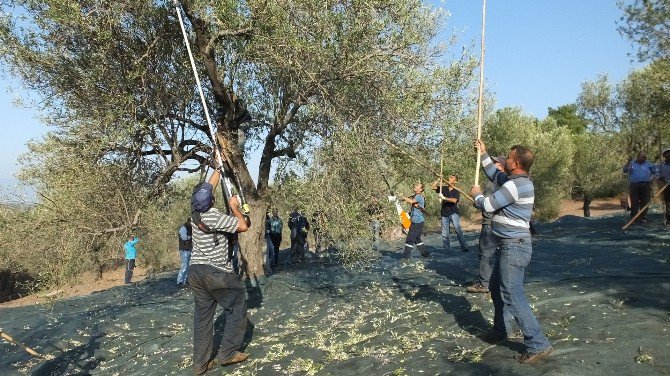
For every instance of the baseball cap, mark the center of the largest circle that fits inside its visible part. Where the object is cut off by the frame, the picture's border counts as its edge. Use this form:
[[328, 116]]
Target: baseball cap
[[500, 159], [202, 198]]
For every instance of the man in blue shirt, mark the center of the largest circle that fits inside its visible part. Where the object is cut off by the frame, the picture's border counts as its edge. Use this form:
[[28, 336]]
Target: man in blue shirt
[[640, 172], [417, 216], [131, 254], [185, 248], [664, 178]]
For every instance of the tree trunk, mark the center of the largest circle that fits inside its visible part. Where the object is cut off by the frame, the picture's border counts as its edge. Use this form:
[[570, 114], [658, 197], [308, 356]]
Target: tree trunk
[[587, 206], [253, 245]]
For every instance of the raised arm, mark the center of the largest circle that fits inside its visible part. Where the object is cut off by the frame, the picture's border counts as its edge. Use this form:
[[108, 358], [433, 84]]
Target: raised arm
[[506, 195]]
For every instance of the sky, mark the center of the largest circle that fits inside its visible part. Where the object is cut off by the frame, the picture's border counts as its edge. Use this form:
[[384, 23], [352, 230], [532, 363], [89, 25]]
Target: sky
[[538, 53]]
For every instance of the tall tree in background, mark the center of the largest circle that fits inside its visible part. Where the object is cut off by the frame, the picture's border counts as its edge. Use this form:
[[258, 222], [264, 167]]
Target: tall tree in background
[[597, 162], [115, 80], [645, 99], [645, 22], [567, 116], [597, 103], [553, 150]]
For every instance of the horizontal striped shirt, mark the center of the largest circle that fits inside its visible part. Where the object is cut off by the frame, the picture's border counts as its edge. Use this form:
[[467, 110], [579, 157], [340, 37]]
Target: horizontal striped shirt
[[512, 204], [205, 250]]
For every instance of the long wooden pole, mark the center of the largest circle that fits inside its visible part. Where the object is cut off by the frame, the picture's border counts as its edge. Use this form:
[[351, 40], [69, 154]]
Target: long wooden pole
[[30, 351], [480, 106], [645, 207], [428, 168], [441, 168]]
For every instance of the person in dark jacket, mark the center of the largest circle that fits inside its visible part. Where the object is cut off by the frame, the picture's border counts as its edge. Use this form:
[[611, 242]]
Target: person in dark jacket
[[299, 226], [275, 227]]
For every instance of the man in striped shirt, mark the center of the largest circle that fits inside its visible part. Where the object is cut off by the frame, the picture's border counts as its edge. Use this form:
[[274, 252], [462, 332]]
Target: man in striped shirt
[[213, 280], [512, 206]]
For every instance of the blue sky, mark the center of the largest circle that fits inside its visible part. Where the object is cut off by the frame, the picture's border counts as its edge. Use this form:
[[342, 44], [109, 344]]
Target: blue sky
[[538, 52]]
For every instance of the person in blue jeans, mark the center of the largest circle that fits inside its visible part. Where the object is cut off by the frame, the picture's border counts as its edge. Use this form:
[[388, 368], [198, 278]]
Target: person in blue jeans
[[185, 248], [512, 206], [449, 197], [487, 242], [131, 254]]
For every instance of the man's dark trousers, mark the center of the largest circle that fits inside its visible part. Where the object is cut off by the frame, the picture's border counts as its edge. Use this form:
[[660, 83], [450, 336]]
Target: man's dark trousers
[[640, 195], [130, 265], [211, 286], [276, 244], [487, 252]]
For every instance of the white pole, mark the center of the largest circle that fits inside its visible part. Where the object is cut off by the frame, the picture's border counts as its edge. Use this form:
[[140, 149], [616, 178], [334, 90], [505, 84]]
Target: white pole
[[480, 106]]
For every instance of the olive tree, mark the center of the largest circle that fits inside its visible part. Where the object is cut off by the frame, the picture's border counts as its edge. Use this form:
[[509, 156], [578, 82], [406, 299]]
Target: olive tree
[[278, 78]]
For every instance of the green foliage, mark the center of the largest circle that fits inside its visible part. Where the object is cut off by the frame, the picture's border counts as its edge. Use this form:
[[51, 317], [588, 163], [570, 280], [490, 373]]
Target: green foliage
[[597, 103], [116, 79], [551, 171], [597, 165], [553, 154], [646, 23], [645, 99], [637, 110], [567, 116]]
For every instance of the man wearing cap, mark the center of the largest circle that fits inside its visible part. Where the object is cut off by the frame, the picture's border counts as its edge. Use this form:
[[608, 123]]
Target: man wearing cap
[[512, 207], [487, 242], [640, 172], [213, 280], [664, 178]]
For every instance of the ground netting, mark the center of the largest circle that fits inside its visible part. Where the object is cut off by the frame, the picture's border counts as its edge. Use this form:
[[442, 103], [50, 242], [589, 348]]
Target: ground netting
[[600, 293]]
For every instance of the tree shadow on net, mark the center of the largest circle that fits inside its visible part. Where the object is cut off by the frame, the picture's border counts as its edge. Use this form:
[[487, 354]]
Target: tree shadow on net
[[471, 321]]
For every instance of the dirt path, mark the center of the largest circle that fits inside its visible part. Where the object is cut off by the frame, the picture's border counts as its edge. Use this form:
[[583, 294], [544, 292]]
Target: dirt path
[[88, 284]]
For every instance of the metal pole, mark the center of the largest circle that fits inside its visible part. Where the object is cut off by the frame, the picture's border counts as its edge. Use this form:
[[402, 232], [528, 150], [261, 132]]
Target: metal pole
[[480, 106]]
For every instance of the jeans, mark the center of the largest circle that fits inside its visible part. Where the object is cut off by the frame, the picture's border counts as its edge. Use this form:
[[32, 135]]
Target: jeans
[[298, 247], [276, 245], [456, 220], [211, 286], [271, 249], [640, 195], [487, 251], [182, 276], [130, 265], [666, 201], [375, 227], [509, 300]]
